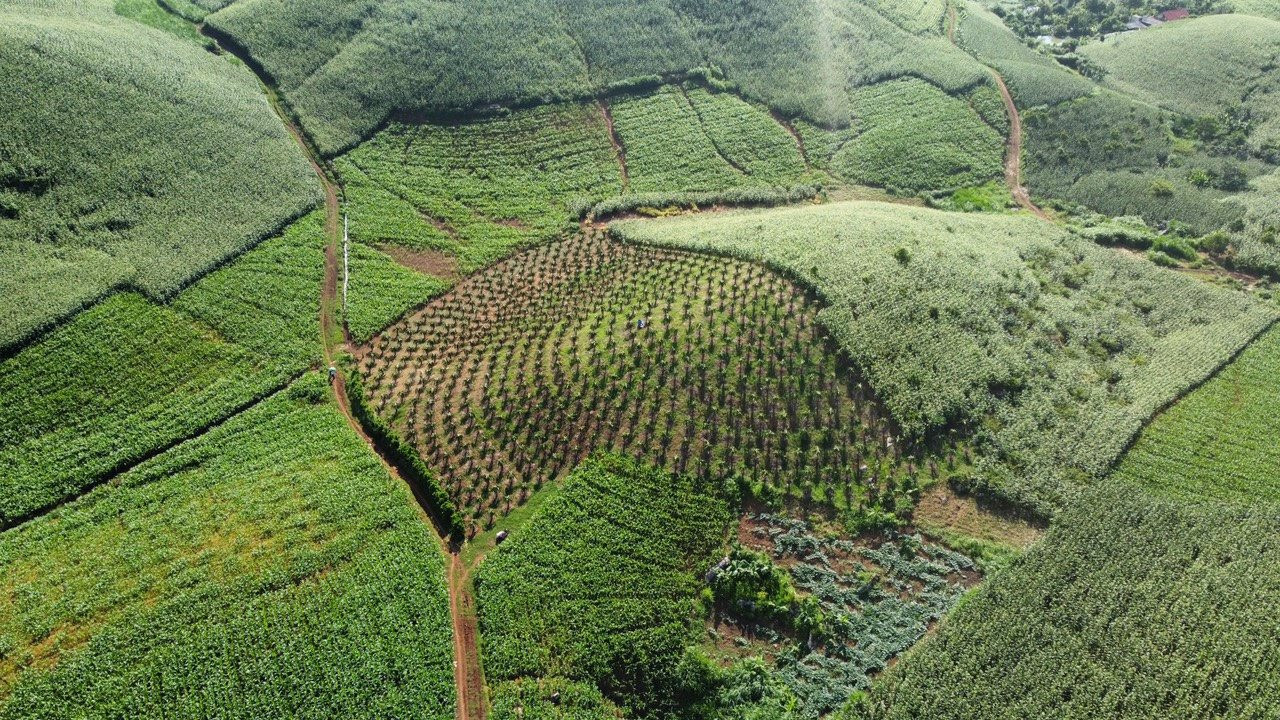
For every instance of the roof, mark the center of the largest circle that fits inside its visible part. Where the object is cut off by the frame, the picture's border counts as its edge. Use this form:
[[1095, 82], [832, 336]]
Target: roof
[[1175, 14]]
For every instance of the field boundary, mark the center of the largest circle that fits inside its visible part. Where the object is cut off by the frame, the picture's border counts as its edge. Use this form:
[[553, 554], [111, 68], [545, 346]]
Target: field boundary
[[128, 465]]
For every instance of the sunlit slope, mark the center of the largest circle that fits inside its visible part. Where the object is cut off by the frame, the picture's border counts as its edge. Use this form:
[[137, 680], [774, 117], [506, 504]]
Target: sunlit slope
[[1196, 67], [1051, 350], [346, 67], [1131, 607], [128, 156]]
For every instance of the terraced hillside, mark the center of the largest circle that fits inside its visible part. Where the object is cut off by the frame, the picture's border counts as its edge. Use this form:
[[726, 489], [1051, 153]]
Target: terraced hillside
[[356, 68]]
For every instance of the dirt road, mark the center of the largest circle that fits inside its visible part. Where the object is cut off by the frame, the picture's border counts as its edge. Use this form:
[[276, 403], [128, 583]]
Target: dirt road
[[1013, 152], [468, 674]]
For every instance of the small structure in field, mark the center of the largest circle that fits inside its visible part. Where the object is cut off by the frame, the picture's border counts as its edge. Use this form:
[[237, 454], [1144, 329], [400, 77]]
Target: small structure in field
[[1142, 22], [1174, 14], [502, 535]]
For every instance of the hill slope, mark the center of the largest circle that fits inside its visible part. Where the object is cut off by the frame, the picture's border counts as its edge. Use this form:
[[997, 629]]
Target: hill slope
[[1053, 350], [347, 67], [1132, 607], [128, 156]]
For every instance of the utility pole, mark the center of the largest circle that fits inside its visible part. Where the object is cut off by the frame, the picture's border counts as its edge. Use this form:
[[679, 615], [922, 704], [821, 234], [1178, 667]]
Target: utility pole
[[346, 264]]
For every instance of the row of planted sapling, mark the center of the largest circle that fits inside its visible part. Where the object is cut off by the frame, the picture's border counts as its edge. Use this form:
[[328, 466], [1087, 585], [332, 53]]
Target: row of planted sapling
[[711, 367]]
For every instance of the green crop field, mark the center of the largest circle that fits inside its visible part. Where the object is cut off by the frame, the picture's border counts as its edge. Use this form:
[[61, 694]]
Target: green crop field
[[477, 191], [346, 68], [1257, 245], [269, 569], [1219, 441], [1052, 351], [915, 137], [127, 377], [1133, 606], [639, 359], [1198, 67], [1034, 79], [1261, 8], [129, 157], [598, 586]]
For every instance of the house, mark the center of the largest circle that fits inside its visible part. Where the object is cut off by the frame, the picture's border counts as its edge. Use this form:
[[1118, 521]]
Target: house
[[1142, 22], [1175, 14]]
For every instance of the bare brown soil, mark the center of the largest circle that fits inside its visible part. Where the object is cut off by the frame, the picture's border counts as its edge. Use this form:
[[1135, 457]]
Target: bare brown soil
[[431, 262], [940, 507], [618, 147]]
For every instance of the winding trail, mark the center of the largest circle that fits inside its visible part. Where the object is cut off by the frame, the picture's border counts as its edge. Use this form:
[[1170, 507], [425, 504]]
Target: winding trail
[[334, 339], [1013, 153]]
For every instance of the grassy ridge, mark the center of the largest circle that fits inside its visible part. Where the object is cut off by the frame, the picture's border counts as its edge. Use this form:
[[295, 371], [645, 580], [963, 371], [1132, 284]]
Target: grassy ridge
[[599, 585], [1052, 350], [128, 377], [1196, 67], [269, 569], [1132, 606], [129, 156], [1219, 441]]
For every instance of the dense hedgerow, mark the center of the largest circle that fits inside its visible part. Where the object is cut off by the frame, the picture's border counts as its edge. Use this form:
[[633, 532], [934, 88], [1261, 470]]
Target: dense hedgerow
[[599, 586], [1220, 441], [127, 377], [405, 457], [1052, 350], [128, 156], [1132, 607], [913, 136], [270, 569], [1034, 79]]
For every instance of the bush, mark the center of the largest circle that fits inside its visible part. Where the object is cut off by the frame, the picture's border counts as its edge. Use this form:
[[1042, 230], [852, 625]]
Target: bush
[[404, 457]]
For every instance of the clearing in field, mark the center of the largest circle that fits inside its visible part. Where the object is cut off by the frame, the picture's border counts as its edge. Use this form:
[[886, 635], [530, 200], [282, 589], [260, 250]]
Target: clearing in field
[[710, 367]]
